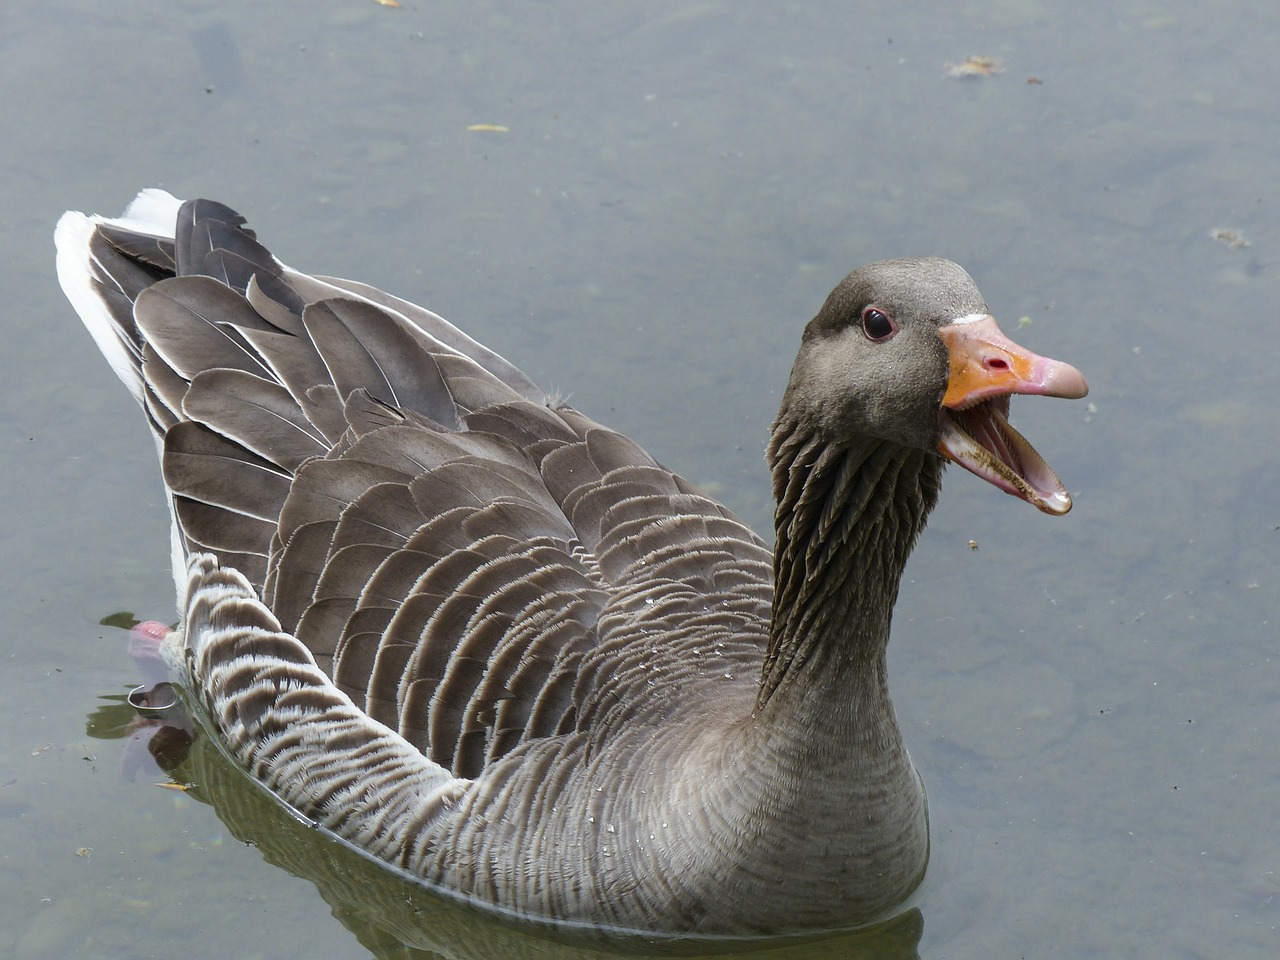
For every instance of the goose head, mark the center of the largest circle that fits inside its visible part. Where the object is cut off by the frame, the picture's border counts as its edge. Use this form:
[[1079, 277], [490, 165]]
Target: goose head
[[907, 351]]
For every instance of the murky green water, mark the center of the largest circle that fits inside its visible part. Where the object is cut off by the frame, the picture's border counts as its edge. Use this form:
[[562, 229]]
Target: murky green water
[[1090, 700]]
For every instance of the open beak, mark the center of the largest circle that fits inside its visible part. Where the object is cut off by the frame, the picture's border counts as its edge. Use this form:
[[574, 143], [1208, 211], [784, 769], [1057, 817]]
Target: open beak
[[987, 368]]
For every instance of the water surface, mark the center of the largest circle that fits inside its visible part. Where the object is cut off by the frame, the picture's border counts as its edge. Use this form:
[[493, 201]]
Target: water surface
[[1091, 700]]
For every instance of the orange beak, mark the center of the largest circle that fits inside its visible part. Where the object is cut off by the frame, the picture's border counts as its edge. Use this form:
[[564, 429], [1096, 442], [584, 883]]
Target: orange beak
[[986, 369]]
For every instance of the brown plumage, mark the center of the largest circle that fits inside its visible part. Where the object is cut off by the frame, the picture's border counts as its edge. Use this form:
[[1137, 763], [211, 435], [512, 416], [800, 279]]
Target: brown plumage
[[494, 643]]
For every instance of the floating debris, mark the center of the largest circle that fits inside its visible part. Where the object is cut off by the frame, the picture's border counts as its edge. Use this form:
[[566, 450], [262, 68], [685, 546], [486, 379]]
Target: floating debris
[[975, 66], [388, 3], [1234, 239], [488, 128], [125, 620]]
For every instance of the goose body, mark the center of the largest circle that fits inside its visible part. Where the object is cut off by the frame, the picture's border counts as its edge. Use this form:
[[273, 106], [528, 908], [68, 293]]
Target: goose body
[[492, 642]]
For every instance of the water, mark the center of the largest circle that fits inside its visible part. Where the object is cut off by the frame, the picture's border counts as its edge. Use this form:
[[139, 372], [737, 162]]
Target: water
[[1090, 700]]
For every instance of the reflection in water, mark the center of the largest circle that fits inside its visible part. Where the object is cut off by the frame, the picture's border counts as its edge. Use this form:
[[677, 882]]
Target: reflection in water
[[152, 722], [394, 918]]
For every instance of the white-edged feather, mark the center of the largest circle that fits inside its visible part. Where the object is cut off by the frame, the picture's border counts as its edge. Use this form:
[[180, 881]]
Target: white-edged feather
[[154, 212]]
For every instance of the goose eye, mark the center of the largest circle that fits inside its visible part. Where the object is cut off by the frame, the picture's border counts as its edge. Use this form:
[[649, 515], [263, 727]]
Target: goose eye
[[877, 324]]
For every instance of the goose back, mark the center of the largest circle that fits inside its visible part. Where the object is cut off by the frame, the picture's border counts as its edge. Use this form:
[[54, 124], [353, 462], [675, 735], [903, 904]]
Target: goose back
[[474, 563]]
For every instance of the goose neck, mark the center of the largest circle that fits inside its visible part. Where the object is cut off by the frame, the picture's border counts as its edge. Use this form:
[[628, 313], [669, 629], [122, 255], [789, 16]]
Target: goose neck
[[847, 518]]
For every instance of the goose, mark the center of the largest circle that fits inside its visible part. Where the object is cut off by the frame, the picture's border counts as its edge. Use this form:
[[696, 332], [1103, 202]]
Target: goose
[[489, 642]]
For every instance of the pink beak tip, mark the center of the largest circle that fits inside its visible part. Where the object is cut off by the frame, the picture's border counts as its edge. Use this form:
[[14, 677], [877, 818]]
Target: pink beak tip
[[1058, 379]]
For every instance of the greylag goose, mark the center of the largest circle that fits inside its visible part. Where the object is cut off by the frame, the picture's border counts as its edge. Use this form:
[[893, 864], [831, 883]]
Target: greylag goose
[[494, 644]]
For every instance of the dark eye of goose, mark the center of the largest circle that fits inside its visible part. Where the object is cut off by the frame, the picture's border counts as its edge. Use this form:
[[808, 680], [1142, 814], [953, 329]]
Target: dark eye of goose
[[877, 324]]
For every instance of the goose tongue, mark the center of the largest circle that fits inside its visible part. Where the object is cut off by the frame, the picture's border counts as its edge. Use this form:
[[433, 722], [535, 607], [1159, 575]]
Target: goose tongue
[[986, 369]]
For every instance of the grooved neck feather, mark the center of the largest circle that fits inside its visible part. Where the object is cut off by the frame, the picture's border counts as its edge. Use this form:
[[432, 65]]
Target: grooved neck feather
[[847, 518]]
